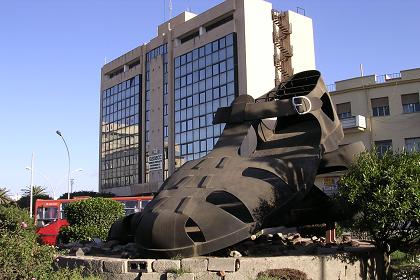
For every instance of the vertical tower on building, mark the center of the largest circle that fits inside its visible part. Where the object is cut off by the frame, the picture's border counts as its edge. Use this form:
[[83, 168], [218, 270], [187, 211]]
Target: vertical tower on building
[[158, 100]]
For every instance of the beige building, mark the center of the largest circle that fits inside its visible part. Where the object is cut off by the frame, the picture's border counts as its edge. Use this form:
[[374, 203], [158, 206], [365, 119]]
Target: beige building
[[380, 110], [158, 100]]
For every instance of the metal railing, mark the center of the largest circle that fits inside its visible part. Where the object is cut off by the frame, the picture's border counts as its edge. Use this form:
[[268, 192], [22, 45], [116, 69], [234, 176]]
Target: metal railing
[[387, 77], [331, 87]]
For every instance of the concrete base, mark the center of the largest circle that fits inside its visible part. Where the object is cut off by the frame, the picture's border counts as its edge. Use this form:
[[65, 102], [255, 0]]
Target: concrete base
[[317, 267]]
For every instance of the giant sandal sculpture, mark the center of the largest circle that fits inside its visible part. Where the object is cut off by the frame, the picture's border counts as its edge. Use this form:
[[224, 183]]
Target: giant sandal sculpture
[[260, 174]]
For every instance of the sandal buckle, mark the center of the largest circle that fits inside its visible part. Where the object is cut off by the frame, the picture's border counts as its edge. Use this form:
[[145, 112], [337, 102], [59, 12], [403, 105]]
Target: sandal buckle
[[298, 102]]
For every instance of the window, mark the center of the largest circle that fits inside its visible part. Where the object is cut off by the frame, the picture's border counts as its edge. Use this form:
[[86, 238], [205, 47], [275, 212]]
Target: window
[[219, 23], [383, 146], [119, 133], [344, 110], [205, 86], [412, 144], [410, 103], [380, 106]]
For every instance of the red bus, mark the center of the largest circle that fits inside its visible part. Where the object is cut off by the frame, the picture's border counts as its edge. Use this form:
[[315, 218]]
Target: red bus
[[50, 217]]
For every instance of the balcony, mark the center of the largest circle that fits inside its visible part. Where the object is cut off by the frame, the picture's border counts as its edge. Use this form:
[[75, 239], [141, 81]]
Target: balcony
[[356, 122]]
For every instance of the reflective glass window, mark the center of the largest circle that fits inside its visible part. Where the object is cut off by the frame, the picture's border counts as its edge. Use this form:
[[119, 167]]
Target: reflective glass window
[[207, 83]]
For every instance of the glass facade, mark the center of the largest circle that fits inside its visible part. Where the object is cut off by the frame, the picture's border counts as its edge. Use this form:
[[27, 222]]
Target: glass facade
[[163, 51], [120, 134], [204, 80]]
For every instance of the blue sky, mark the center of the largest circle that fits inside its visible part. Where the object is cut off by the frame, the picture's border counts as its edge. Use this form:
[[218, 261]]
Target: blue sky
[[51, 53]]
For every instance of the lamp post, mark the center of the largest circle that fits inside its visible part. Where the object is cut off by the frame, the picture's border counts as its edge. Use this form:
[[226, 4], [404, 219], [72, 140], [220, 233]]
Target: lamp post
[[68, 172], [49, 186], [72, 179], [31, 186]]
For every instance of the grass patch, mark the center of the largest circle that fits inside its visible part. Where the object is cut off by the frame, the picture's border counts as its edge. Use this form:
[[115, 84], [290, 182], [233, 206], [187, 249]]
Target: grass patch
[[178, 271], [405, 266]]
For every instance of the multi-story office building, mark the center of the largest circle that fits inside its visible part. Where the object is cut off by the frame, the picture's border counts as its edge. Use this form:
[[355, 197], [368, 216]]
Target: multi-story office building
[[380, 110], [158, 100]]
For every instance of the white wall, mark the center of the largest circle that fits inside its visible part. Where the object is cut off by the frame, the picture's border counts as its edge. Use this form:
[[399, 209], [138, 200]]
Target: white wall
[[259, 47], [302, 41]]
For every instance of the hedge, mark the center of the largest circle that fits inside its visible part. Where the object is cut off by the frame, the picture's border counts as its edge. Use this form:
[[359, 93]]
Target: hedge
[[90, 218]]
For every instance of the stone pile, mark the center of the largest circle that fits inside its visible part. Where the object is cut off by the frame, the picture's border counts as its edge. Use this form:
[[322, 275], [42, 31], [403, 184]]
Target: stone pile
[[279, 244], [271, 244]]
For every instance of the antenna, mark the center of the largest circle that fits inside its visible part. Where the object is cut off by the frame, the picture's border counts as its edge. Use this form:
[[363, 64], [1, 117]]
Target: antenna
[[188, 6], [170, 9], [164, 10], [301, 11], [361, 70]]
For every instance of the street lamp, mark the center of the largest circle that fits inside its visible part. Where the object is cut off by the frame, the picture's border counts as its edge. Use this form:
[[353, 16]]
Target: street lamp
[[50, 185], [72, 179], [31, 184], [68, 172]]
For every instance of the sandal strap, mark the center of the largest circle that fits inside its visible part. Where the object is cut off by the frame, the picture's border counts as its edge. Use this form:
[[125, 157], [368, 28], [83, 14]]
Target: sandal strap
[[240, 112]]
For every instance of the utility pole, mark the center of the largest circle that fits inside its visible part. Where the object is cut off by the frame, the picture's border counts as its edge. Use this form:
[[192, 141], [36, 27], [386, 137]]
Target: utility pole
[[31, 186]]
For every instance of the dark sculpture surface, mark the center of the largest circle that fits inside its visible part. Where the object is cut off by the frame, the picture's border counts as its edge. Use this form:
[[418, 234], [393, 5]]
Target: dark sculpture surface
[[260, 174]]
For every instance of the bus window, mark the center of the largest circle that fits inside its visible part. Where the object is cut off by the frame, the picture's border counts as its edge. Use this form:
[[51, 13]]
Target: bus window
[[46, 215], [130, 206], [144, 203], [62, 207]]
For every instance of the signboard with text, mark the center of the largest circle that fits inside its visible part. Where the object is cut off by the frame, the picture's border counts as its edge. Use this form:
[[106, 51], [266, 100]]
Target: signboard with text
[[155, 162]]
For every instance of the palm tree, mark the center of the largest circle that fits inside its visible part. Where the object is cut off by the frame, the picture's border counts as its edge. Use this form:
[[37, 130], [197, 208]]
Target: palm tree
[[39, 192], [36, 191], [4, 196]]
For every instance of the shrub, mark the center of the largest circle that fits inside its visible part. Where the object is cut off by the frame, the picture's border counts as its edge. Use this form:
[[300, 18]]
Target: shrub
[[86, 193], [90, 218], [13, 219], [21, 257], [282, 274]]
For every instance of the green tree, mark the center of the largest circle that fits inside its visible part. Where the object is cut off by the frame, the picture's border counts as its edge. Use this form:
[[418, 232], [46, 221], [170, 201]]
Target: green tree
[[385, 190], [36, 190], [39, 192], [86, 193], [4, 196]]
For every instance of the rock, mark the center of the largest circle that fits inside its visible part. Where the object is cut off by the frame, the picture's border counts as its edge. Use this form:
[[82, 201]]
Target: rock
[[293, 236], [279, 239], [235, 254], [111, 243], [346, 237], [253, 237], [80, 252], [322, 239], [355, 243], [99, 250], [278, 236], [261, 239], [131, 247], [97, 240], [118, 249], [314, 238], [305, 242], [70, 245], [295, 242]]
